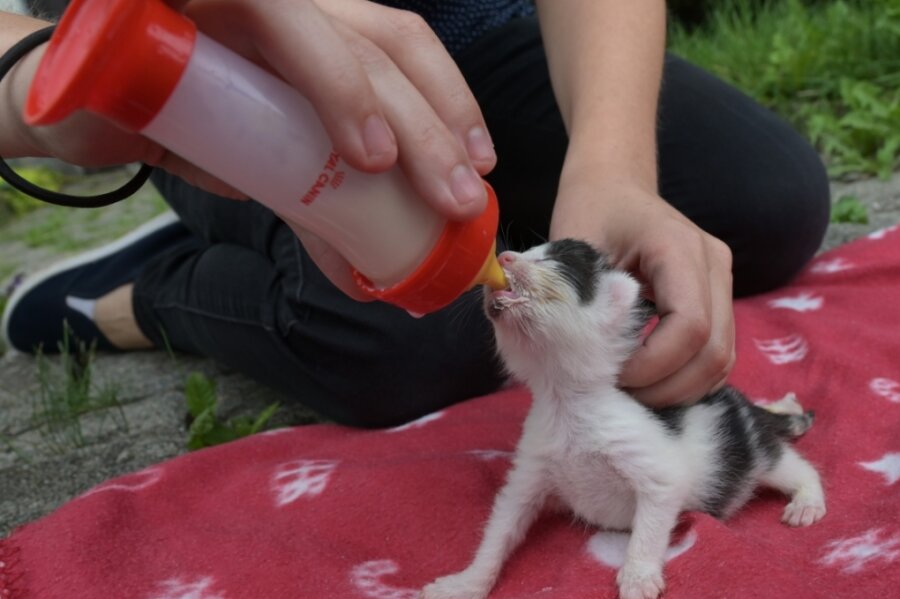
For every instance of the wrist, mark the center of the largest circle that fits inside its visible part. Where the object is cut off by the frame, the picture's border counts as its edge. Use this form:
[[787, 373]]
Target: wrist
[[602, 160], [600, 207], [17, 138], [604, 185]]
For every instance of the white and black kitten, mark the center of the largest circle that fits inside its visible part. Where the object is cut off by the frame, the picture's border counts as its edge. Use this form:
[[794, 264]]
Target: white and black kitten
[[564, 327]]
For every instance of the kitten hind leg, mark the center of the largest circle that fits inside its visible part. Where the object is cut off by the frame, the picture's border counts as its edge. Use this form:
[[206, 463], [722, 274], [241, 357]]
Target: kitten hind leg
[[796, 477], [786, 405], [791, 420]]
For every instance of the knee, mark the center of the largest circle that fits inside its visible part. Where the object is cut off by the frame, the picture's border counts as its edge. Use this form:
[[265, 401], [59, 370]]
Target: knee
[[408, 368], [783, 222], [402, 387]]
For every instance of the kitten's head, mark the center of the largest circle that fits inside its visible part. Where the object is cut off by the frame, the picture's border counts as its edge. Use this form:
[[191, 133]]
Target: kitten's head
[[564, 299]]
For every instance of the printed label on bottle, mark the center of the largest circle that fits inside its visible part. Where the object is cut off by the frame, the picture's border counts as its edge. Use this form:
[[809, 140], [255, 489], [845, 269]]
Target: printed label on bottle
[[329, 176]]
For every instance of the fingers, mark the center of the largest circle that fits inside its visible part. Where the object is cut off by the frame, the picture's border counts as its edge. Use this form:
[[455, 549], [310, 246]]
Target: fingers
[[706, 369], [682, 297], [384, 87], [381, 82], [412, 45], [434, 161], [303, 45]]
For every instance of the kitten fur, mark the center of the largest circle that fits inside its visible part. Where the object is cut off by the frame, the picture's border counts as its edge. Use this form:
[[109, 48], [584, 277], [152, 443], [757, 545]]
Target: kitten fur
[[564, 327]]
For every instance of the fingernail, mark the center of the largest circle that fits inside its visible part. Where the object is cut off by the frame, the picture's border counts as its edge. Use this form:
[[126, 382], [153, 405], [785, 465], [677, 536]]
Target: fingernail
[[377, 137], [479, 145], [466, 185]]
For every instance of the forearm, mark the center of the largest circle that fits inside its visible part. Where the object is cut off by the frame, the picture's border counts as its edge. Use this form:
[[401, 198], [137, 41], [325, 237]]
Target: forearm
[[14, 137], [605, 59]]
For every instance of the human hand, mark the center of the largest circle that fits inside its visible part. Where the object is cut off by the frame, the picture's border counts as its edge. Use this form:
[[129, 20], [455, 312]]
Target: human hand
[[82, 138], [384, 87], [687, 274]]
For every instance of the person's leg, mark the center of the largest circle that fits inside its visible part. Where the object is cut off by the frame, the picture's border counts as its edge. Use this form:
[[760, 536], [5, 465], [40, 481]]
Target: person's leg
[[243, 291], [114, 317], [741, 173], [209, 223], [86, 296], [728, 164], [247, 295]]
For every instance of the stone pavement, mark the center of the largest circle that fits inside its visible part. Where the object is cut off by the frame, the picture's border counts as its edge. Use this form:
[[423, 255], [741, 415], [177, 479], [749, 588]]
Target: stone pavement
[[36, 477]]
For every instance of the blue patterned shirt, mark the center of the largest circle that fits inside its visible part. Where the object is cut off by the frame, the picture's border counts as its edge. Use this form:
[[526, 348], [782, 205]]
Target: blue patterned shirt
[[458, 23]]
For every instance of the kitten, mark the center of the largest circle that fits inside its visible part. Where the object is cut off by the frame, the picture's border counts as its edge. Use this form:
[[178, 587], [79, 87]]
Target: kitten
[[564, 327]]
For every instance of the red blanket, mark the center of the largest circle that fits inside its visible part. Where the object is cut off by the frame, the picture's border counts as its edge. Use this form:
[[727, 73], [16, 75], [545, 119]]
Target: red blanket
[[326, 511]]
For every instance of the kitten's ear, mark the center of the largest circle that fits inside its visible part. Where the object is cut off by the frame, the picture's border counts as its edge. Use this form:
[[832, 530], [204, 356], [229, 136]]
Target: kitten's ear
[[622, 292]]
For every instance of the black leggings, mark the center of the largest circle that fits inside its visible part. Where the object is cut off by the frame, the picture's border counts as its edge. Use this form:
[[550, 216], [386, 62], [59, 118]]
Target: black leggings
[[241, 290]]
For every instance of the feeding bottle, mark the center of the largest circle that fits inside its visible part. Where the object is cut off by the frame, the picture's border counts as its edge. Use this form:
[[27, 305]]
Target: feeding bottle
[[146, 68]]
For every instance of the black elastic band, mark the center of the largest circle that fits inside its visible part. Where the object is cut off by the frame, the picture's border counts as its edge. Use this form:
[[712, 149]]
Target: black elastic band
[[7, 61]]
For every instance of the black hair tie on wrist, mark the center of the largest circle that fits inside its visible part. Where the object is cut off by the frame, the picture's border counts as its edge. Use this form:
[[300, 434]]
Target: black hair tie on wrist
[[7, 61]]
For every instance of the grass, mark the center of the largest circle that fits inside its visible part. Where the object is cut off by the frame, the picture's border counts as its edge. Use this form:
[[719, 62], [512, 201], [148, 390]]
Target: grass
[[27, 224], [848, 209], [14, 203], [206, 428], [35, 224], [65, 230], [831, 68], [68, 392]]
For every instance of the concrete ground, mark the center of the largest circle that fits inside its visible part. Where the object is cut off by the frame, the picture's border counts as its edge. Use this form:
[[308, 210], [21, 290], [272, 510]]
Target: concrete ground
[[38, 474]]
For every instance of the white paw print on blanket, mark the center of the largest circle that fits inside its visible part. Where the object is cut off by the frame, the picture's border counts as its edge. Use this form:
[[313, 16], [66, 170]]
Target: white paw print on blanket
[[804, 302], [888, 465], [887, 388], [301, 478], [783, 350], [609, 547], [176, 589], [366, 577], [854, 554], [831, 266]]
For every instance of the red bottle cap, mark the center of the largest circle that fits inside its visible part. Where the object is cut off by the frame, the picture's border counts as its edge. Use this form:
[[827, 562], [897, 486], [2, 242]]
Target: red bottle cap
[[452, 267], [98, 60]]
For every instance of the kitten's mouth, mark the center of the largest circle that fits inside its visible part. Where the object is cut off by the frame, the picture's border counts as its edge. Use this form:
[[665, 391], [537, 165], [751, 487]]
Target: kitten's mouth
[[504, 298]]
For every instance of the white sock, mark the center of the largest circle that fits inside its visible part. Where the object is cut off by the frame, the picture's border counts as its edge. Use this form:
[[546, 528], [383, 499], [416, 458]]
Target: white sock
[[84, 306]]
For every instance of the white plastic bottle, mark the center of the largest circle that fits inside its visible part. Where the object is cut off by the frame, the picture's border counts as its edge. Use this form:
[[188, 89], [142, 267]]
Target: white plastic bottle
[[146, 67]]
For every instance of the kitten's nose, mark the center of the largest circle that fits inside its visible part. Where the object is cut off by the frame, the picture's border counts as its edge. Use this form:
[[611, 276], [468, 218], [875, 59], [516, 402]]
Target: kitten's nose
[[506, 258]]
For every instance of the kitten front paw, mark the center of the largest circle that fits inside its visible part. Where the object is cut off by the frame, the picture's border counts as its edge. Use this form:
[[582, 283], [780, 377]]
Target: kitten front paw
[[455, 586], [640, 581], [803, 511]]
